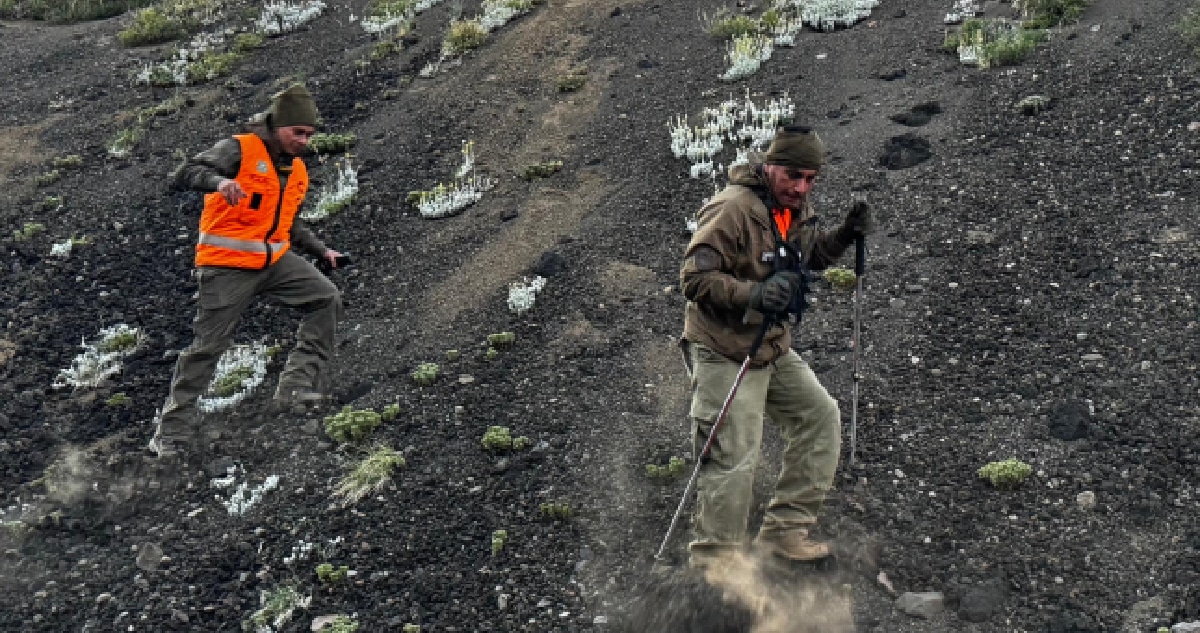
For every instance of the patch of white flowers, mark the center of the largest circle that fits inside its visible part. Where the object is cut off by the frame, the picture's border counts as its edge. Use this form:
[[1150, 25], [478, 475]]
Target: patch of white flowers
[[827, 15], [522, 294], [497, 13], [101, 359], [246, 359], [174, 71], [467, 188], [394, 16], [962, 10], [746, 54], [246, 497], [333, 198], [278, 18], [743, 124], [300, 551], [61, 249], [784, 33]]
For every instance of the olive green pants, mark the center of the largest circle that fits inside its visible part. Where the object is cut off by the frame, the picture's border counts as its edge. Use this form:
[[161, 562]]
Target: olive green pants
[[810, 424], [225, 293]]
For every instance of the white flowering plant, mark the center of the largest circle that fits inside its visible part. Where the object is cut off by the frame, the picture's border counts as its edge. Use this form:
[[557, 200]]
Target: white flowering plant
[[746, 54], [522, 294], [246, 496], [102, 359], [240, 370], [336, 196], [279, 18], [445, 200]]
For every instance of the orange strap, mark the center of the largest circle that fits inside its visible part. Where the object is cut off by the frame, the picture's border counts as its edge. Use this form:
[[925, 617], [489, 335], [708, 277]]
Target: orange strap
[[783, 221]]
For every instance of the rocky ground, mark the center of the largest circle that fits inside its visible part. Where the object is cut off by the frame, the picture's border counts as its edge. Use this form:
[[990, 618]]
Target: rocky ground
[[1032, 294]]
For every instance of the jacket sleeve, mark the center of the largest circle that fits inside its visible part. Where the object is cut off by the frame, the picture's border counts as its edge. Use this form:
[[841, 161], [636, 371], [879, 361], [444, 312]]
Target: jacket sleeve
[[205, 171], [305, 240], [827, 246], [706, 276]]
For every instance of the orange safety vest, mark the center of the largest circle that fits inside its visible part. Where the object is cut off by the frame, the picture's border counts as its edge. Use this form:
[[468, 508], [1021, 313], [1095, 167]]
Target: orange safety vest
[[254, 233]]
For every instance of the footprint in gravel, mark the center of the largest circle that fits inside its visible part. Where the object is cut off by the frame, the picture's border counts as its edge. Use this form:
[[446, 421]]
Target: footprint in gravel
[[918, 115], [904, 151]]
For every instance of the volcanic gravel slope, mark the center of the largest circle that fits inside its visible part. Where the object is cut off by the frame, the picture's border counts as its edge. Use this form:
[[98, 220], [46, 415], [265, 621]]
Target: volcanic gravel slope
[[1031, 294]]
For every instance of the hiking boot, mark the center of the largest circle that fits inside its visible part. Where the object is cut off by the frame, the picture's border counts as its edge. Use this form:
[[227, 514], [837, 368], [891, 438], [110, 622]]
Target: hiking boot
[[793, 545]]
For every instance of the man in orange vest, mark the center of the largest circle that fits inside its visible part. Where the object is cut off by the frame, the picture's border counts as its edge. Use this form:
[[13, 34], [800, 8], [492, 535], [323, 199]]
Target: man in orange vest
[[732, 282], [255, 184]]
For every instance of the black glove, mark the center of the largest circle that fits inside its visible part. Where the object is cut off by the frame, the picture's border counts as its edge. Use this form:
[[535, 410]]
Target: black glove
[[775, 294], [860, 220]]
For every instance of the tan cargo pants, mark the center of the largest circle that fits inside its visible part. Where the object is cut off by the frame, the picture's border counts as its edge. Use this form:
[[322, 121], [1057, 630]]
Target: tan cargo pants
[[809, 421], [225, 293]]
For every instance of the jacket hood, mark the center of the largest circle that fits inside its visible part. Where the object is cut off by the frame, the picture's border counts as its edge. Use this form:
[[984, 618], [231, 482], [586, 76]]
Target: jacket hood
[[746, 174]]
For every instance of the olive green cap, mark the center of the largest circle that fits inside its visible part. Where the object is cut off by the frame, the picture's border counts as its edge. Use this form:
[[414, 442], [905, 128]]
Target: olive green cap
[[797, 147], [294, 106]]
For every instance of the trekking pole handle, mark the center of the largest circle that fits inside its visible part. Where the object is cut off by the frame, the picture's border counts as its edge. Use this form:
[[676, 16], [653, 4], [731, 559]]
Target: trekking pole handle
[[860, 255]]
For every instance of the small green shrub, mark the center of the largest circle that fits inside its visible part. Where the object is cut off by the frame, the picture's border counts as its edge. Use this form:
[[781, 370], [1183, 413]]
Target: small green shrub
[[125, 141], [499, 438], [491, 354], [28, 231], [572, 81], [1189, 28], [231, 382], [350, 425], [246, 42], [390, 412], [841, 278], [425, 374], [49, 178], [1007, 474], [499, 540], [453, 355], [996, 42], [501, 339], [769, 20], [411, 628], [330, 575], [64, 11], [52, 203], [369, 476], [1032, 104], [541, 170], [341, 624], [1045, 14], [212, 65], [464, 35], [118, 400], [278, 604], [724, 25], [74, 161], [151, 26], [121, 341], [555, 511], [324, 143], [674, 467]]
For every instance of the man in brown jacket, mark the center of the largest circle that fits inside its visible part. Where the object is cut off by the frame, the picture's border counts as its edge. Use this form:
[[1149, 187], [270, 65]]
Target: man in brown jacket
[[730, 279], [255, 183]]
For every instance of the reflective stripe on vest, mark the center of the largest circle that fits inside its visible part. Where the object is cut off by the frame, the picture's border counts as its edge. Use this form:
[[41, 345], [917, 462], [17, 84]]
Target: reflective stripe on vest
[[245, 246], [253, 233]]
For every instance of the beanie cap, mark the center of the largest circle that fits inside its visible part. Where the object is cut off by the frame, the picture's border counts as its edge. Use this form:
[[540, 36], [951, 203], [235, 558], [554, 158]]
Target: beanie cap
[[293, 106], [796, 146]]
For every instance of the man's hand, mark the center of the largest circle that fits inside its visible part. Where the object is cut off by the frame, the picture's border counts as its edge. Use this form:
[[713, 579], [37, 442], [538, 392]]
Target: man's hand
[[232, 192], [775, 294], [331, 256], [860, 220]]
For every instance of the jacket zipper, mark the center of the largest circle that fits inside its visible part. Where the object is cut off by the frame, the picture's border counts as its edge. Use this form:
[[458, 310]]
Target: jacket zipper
[[275, 224]]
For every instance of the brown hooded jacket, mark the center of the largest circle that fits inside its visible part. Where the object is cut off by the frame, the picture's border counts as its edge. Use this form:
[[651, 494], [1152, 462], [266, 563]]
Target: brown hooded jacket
[[736, 224]]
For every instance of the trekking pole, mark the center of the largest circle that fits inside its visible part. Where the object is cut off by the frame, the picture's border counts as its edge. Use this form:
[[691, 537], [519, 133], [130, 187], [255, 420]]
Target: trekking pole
[[860, 267], [712, 434]]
